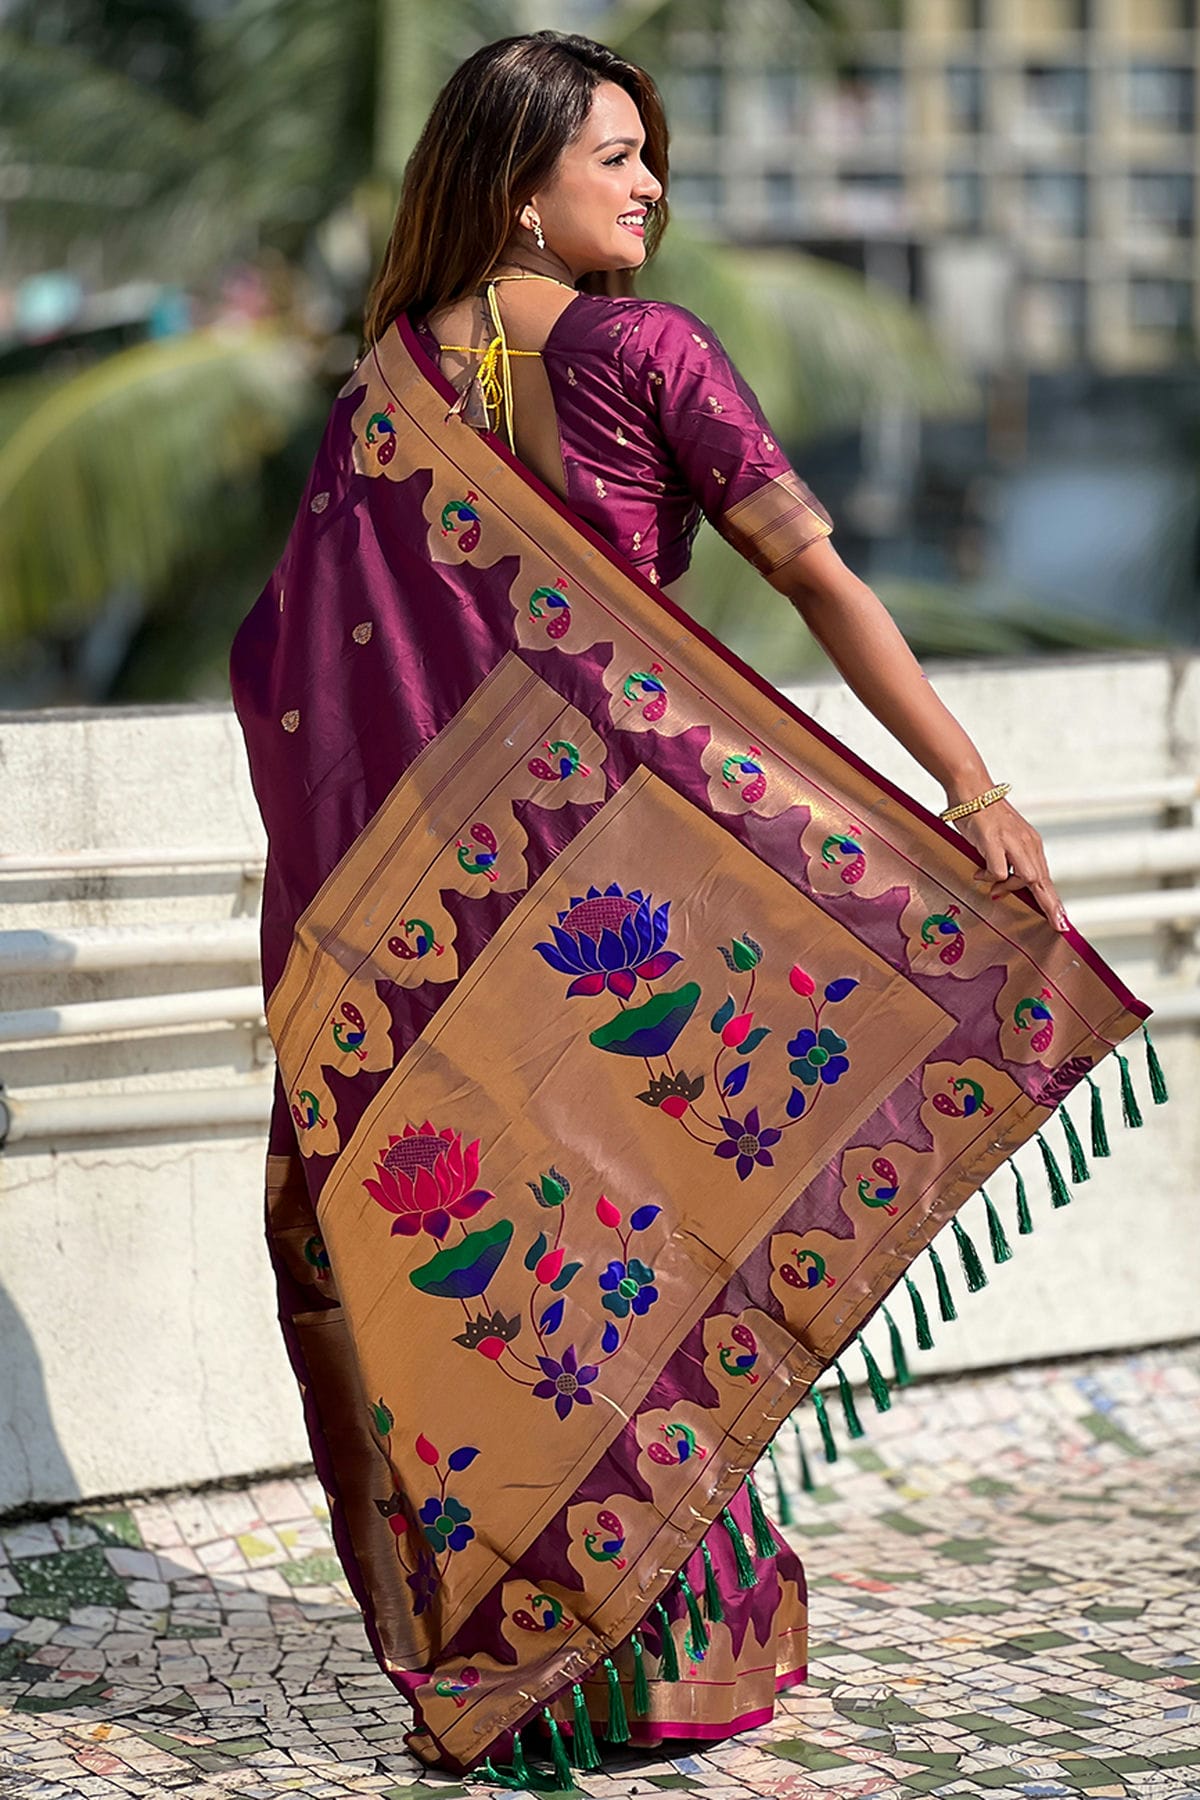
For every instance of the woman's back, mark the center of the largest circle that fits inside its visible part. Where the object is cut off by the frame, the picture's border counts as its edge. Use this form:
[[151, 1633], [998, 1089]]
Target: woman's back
[[632, 413]]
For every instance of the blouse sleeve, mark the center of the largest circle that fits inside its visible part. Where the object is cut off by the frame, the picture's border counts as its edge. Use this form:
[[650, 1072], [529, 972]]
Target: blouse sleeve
[[719, 439]]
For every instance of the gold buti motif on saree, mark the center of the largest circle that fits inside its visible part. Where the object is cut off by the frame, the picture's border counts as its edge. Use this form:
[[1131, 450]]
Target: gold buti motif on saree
[[449, 825]]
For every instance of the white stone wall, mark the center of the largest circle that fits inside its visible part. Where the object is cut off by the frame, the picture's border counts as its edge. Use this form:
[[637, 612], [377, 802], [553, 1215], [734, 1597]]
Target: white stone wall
[[138, 1342]]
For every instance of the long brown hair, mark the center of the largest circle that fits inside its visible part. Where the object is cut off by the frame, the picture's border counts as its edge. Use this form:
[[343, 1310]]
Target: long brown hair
[[493, 138]]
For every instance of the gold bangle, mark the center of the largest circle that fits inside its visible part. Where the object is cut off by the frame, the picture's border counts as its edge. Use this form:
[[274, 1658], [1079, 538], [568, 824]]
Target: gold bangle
[[976, 805]]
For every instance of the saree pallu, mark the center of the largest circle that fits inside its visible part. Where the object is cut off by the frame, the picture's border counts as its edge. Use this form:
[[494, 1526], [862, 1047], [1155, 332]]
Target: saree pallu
[[634, 1037]]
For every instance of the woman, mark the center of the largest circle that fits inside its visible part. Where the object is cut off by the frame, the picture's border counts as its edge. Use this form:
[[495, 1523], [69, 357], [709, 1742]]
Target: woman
[[562, 1231]]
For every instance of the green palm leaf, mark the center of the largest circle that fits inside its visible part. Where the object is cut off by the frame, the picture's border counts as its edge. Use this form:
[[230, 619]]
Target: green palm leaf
[[107, 477], [817, 343]]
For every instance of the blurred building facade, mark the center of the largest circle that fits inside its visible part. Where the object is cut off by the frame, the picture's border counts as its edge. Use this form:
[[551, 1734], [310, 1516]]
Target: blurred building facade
[[1027, 168]]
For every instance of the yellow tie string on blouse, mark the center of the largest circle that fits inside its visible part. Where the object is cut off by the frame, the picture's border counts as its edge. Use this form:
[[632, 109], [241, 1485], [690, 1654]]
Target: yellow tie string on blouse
[[494, 374]]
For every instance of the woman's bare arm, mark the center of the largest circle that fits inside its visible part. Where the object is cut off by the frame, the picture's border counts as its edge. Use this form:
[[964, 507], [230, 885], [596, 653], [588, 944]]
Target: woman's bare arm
[[861, 639]]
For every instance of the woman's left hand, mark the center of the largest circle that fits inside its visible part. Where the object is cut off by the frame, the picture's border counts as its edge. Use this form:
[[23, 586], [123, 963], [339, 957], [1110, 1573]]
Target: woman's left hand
[[1016, 857]]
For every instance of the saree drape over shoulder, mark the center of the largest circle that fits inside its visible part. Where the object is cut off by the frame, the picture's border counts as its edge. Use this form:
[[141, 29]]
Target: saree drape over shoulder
[[634, 1037]]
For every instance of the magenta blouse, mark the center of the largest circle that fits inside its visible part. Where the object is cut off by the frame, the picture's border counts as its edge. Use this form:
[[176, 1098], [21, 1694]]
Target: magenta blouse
[[657, 428]]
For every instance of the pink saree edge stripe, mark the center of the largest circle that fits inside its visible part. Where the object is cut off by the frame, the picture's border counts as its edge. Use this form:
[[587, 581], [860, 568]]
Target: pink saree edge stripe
[[648, 1734], [433, 375]]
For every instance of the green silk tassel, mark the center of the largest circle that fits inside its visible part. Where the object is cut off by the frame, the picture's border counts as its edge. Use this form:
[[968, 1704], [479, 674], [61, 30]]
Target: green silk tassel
[[827, 1439], [558, 1752], [1001, 1248], [1131, 1112], [807, 1484], [699, 1630], [583, 1743], [1158, 1081], [519, 1766], [641, 1687], [1099, 1128], [764, 1543], [747, 1573], [880, 1392], [1060, 1193], [784, 1507], [900, 1369], [712, 1593], [945, 1297], [668, 1656], [1024, 1216], [920, 1316], [1079, 1168], [854, 1424], [968, 1256], [617, 1729]]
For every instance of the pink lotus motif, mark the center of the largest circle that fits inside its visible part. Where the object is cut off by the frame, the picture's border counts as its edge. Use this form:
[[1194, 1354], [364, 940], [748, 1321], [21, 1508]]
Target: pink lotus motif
[[427, 1179]]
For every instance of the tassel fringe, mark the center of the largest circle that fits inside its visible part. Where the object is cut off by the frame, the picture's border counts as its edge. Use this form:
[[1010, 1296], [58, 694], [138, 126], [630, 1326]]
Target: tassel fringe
[[764, 1543], [1099, 1128], [784, 1506], [1024, 1217], [822, 1412], [558, 1753], [1079, 1168], [583, 1741], [807, 1484], [880, 1393], [617, 1729], [698, 1632], [968, 1256], [712, 1593], [1131, 1112], [854, 1426], [747, 1574], [1000, 1246], [1158, 1081], [945, 1298], [900, 1370], [1060, 1193], [668, 1656], [641, 1687], [920, 1316]]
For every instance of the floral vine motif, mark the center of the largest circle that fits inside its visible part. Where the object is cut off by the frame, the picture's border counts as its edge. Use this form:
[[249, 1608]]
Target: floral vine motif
[[443, 1520], [610, 941], [426, 1179]]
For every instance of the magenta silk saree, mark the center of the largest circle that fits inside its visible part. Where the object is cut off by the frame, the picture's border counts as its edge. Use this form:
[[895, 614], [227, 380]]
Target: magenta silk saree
[[634, 1038]]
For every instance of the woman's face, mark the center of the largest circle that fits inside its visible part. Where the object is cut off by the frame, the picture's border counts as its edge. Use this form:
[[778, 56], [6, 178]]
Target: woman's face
[[592, 211]]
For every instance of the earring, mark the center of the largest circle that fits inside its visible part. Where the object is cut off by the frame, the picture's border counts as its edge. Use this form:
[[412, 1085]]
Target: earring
[[539, 237]]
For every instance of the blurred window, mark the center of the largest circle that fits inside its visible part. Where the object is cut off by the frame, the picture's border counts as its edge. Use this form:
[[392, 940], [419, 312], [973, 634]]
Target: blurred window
[[780, 102], [1161, 95], [870, 102], [1156, 304], [696, 196], [696, 100], [1057, 96], [964, 97], [1057, 199], [1054, 313], [1163, 200], [871, 200], [779, 187], [964, 200]]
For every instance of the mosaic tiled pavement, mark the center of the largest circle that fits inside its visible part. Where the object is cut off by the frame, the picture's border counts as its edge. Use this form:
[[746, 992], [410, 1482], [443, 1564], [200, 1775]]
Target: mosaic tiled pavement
[[1003, 1597]]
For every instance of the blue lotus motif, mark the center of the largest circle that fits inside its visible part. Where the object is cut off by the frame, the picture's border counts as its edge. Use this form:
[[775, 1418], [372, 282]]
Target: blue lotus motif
[[610, 940]]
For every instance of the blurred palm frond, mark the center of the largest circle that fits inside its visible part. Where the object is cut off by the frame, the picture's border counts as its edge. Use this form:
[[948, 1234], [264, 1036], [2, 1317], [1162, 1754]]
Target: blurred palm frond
[[108, 475]]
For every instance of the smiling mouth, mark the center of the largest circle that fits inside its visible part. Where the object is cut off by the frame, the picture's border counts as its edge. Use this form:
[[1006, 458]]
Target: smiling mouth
[[634, 222]]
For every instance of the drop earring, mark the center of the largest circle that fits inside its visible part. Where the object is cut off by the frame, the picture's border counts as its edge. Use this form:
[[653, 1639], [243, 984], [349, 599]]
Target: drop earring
[[539, 236]]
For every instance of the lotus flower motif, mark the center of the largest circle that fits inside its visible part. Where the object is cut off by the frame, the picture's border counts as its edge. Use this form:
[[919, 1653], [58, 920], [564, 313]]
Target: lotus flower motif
[[427, 1178], [610, 940]]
